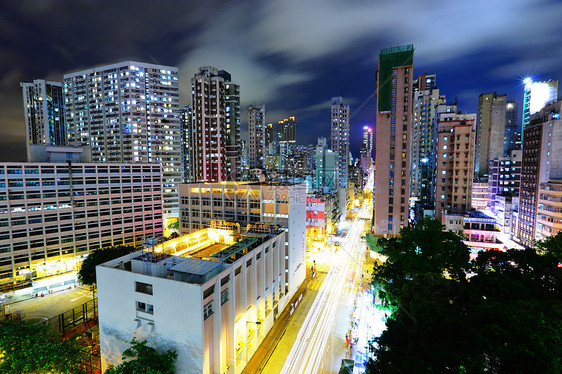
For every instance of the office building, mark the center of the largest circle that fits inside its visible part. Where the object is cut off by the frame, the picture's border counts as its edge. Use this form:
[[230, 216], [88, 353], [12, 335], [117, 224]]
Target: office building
[[424, 137], [43, 108], [504, 177], [549, 215], [128, 112], [536, 96], [270, 137], [542, 163], [257, 136], [392, 150], [211, 296], [479, 200], [54, 214], [490, 132], [187, 136], [326, 166], [287, 138], [339, 141], [454, 172], [366, 150], [512, 128]]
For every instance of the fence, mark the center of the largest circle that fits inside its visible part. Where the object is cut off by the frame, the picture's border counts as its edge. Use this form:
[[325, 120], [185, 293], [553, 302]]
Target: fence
[[73, 318]]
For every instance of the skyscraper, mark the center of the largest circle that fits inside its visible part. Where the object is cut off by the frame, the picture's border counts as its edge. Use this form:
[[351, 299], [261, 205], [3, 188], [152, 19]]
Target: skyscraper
[[326, 162], [128, 112], [339, 141], [537, 95], [426, 98], [186, 131], [43, 107], [269, 135], [490, 132], [392, 151], [256, 132], [287, 137], [366, 150], [216, 134], [512, 129]]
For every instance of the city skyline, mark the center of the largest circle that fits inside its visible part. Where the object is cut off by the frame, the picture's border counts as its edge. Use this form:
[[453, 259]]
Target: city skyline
[[267, 62]]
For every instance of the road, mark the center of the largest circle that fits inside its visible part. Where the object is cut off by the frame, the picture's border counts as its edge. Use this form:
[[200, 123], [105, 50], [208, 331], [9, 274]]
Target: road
[[309, 353]]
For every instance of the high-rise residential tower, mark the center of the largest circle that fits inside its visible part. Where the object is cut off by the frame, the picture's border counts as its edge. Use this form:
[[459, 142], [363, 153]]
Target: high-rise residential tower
[[215, 102], [426, 98], [366, 150], [339, 141], [128, 112], [257, 136], [394, 84], [43, 107], [287, 138], [512, 136], [490, 132], [186, 130]]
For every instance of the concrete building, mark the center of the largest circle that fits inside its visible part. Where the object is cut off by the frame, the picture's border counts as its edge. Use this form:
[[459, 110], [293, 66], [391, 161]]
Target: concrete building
[[215, 102], [43, 108], [128, 112], [321, 216], [504, 177], [479, 199], [513, 128], [366, 150], [490, 132], [212, 296], [270, 136], [187, 136], [256, 131], [455, 144], [394, 87], [287, 140], [542, 162], [326, 166], [339, 140], [480, 231], [549, 213], [536, 96], [424, 138], [281, 204], [54, 214]]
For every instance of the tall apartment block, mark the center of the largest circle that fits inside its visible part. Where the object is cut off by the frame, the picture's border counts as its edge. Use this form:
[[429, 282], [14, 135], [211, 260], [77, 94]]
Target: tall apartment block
[[216, 134], [270, 137], [257, 136], [366, 150], [541, 167], [54, 214], [43, 108], [394, 87], [187, 135], [287, 138], [128, 112], [512, 137], [490, 132], [326, 164], [424, 136], [454, 174], [339, 141], [504, 177]]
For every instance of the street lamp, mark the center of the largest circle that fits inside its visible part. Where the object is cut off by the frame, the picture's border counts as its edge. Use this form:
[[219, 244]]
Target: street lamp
[[248, 322]]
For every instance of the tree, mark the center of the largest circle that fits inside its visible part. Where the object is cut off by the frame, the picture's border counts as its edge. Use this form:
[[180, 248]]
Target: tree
[[87, 273], [502, 313], [26, 347], [140, 358]]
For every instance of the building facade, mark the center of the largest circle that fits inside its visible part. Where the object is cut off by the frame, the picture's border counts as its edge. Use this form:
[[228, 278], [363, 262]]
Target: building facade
[[504, 177], [187, 136], [536, 96], [43, 108], [326, 167], [455, 144], [339, 140], [54, 214], [394, 87], [256, 131], [512, 128], [366, 151], [128, 112], [490, 132], [212, 296]]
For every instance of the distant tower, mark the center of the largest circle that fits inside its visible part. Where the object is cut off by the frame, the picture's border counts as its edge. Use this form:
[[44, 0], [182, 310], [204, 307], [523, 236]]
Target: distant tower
[[287, 137], [186, 131], [339, 141], [232, 125], [392, 151], [43, 107], [366, 149], [256, 132], [537, 95], [512, 129], [490, 132]]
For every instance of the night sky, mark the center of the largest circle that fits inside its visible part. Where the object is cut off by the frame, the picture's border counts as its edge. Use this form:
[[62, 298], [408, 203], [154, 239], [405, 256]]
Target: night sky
[[292, 55]]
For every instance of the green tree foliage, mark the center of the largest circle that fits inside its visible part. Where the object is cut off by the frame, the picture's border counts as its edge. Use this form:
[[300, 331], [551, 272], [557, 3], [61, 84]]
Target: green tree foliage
[[87, 273], [140, 358], [501, 313], [26, 347]]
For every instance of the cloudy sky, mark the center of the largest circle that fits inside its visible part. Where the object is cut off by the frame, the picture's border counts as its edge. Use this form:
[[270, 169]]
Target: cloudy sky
[[292, 55]]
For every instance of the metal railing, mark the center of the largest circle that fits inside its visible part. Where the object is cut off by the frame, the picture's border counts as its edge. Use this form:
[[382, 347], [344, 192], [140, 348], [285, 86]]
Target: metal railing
[[75, 317]]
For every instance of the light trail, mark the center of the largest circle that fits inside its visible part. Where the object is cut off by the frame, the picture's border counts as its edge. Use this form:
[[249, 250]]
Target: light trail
[[308, 351]]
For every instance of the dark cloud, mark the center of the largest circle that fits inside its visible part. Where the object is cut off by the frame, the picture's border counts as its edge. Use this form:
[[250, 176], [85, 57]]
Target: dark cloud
[[293, 55]]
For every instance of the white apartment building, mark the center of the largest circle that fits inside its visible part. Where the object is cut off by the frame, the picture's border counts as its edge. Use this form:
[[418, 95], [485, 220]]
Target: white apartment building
[[128, 112], [54, 214], [212, 296], [280, 204]]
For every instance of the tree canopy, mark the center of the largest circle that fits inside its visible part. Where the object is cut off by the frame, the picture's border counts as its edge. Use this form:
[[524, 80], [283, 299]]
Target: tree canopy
[[27, 347], [501, 313], [87, 273], [140, 358]]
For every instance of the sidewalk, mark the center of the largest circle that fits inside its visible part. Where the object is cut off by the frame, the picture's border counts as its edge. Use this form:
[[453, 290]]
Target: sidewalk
[[266, 349]]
